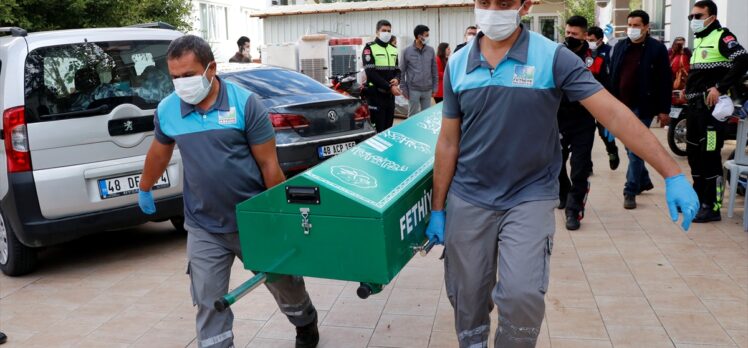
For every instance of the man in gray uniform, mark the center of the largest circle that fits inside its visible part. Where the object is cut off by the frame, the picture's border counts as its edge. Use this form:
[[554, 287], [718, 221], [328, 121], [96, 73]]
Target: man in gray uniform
[[496, 166], [420, 75], [228, 151]]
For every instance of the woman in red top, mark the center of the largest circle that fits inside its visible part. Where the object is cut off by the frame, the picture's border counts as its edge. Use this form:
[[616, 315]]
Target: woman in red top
[[680, 57], [442, 55]]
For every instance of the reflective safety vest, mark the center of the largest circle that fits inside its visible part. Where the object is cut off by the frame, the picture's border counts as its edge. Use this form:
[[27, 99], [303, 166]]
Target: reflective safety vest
[[384, 57], [706, 50]]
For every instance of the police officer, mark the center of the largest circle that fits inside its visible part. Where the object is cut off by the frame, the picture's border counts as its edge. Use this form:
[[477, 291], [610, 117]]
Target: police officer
[[228, 151], [577, 128], [382, 76], [718, 62], [496, 166]]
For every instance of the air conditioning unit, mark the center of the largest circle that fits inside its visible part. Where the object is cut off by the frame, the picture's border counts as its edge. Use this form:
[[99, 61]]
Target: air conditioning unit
[[345, 55], [313, 57], [281, 55]]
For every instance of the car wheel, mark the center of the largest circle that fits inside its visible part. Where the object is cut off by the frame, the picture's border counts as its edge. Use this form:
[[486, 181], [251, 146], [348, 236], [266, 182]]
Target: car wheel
[[16, 259], [178, 222]]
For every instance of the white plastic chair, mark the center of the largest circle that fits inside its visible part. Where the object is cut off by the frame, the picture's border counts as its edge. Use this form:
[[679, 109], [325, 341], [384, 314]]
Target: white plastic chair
[[737, 167]]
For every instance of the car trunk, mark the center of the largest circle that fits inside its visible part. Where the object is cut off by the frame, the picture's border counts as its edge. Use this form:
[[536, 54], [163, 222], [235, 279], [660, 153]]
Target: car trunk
[[323, 117]]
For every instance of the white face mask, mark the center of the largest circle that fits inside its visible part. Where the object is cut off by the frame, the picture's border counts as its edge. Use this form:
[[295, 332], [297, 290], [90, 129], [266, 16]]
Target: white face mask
[[592, 44], [469, 37], [497, 25], [634, 33], [192, 90], [385, 36], [425, 41], [698, 25]]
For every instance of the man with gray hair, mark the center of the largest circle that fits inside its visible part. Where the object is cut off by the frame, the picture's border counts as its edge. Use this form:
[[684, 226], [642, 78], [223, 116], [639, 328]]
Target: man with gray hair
[[228, 152]]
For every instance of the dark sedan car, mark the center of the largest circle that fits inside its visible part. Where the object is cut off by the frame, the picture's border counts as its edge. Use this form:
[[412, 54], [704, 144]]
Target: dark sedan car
[[312, 122]]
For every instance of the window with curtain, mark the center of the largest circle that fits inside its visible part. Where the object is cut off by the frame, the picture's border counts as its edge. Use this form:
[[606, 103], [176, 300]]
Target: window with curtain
[[214, 22]]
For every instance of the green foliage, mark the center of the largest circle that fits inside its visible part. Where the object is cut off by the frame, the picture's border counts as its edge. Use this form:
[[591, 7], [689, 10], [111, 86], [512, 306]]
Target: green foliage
[[584, 8], [39, 15]]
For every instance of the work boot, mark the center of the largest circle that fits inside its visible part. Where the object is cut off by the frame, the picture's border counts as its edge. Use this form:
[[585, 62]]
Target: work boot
[[646, 187], [707, 214], [572, 221], [614, 161], [629, 202], [307, 336], [561, 204]]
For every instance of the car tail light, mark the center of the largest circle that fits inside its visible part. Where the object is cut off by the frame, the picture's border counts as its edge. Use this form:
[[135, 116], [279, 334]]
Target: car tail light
[[362, 113], [16, 140], [288, 121]]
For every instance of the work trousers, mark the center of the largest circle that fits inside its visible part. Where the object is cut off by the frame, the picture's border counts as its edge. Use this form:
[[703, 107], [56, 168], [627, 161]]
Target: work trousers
[[576, 145], [210, 256], [418, 101], [705, 159], [520, 240], [381, 109]]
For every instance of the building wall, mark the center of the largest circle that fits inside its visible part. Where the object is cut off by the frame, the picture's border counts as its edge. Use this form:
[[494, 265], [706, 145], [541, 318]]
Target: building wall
[[237, 23], [446, 24]]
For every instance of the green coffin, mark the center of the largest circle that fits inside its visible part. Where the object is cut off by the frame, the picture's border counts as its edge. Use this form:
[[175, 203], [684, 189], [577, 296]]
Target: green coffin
[[355, 217]]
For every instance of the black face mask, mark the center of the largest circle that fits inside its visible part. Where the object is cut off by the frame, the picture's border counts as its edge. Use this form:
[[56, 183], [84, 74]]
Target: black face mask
[[572, 42]]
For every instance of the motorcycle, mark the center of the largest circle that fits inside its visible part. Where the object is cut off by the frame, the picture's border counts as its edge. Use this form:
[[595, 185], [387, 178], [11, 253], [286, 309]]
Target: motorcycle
[[346, 84], [677, 130]]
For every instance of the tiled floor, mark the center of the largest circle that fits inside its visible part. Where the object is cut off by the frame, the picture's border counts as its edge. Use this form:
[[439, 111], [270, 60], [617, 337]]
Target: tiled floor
[[626, 279]]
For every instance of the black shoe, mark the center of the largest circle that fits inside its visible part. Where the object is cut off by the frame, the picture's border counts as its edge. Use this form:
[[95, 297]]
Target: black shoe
[[614, 161], [3, 338], [646, 187], [572, 221], [629, 202], [307, 336], [706, 214]]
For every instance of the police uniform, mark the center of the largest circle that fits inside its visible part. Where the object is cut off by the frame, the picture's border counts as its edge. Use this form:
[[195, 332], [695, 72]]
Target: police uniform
[[505, 187], [381, 66], [577, 128], [220, 172], [719, 61]]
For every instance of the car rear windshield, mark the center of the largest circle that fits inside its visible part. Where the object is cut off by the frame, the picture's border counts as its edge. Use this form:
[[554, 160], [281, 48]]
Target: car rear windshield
[[269, 83], [92, 78]]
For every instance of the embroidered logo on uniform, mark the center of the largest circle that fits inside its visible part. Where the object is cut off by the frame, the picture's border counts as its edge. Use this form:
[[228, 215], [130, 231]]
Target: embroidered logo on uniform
[[227, 117], [704, 53], [524, 75], [728, 38], [732, 44], [589, 61]]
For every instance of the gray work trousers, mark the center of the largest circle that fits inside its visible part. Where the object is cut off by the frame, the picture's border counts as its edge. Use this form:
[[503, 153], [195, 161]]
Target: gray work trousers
[[521, 238], [210, 256], [418, 101]]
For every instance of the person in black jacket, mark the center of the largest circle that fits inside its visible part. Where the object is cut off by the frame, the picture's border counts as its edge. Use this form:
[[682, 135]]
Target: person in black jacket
[[641, 79], [577, 128], [601, 69]]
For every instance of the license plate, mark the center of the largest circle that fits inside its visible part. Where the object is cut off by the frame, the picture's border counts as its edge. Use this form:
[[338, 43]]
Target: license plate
[[675, 112], [127, 185], [332, 150]]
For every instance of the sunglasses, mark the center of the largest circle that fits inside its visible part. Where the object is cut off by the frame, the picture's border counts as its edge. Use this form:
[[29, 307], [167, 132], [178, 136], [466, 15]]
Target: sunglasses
[[697, 16]]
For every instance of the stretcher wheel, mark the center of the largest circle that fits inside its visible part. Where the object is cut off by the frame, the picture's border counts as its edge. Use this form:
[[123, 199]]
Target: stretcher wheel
[[364, 291]]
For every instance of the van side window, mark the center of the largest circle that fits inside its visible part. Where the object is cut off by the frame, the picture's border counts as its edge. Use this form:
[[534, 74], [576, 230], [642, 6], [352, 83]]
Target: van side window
[[92, 78]]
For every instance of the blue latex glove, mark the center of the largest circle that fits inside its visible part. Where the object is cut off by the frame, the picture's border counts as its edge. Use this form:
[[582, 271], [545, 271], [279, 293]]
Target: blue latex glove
[[435, 230], [608, 31], [680, 195], [146, 203], [608, 135]]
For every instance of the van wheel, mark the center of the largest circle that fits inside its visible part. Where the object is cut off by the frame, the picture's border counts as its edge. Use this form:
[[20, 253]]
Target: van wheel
[[16, 259], [178, 222]]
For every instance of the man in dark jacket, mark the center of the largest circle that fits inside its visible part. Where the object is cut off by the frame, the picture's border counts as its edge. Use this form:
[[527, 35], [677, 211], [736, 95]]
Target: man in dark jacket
[[601, 69], [718, 62], [577, 128], [641, 79]]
